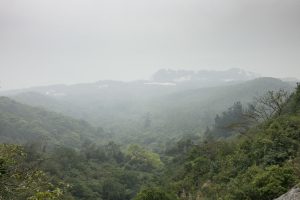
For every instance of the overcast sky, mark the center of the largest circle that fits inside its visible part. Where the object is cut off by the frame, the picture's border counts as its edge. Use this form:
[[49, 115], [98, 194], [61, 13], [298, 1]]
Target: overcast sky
[[70, 41]]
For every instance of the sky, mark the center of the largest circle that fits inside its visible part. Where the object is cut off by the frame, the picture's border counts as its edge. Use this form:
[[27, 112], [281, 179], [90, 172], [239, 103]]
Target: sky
[[45, 42]]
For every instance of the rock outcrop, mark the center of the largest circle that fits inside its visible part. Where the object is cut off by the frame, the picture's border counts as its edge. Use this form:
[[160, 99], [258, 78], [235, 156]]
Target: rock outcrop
[[293, 194]]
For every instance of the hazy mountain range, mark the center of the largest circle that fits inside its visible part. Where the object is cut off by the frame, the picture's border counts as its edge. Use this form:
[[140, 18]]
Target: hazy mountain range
[[178, 101], [142, 128], [182, 79]]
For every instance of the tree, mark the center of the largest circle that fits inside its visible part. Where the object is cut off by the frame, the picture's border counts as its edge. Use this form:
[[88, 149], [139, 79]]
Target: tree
[[293, 105], [154, 194], [233, 120], [268, 105], [141, 159], [17, 181], [113, 151], [113, 190]]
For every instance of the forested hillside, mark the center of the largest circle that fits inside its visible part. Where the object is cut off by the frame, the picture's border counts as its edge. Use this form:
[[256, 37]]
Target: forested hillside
[[249, 152], [262, 163], [21, 124], [67, 158], [140, 112], [194, 110]]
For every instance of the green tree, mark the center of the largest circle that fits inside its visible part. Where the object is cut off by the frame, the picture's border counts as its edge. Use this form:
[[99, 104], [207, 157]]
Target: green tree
[[113, 190], [17, 181], [141, 159], [154, 194]]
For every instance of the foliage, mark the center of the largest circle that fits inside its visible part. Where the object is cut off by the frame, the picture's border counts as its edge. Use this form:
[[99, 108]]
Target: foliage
[[231, 122], [140, 158], [95, 171], [21, 124], [17, 181], [268, 105], [262, 165], [236, 160], [154, 194]]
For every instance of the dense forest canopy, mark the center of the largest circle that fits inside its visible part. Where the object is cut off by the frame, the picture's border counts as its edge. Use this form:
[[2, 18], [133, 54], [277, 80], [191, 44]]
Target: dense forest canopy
[[240, 154]]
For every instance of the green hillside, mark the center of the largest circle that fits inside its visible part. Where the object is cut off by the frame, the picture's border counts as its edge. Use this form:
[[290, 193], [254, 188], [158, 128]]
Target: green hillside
[[21, 124], [124, 110], [261, 164]]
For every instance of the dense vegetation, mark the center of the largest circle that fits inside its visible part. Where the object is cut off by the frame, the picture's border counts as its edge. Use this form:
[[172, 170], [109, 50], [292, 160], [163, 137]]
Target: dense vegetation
[[242, 155], [260, 164], [19, 180], [135, 112], [21, 124], [99, 172]]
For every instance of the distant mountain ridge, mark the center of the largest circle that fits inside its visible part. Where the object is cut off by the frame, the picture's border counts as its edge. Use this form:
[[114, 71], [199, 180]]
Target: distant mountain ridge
[[113, 105], [234, 74], [178, 104], [164, 79]]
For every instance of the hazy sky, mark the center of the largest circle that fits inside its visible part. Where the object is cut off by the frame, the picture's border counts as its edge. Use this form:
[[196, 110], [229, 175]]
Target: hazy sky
[[69, 41]]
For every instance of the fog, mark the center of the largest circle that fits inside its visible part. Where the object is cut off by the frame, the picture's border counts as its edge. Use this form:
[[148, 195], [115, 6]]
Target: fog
[[149, 99], [69, 41]]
